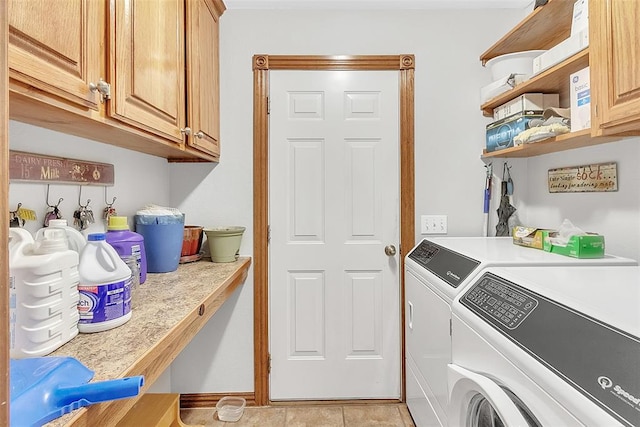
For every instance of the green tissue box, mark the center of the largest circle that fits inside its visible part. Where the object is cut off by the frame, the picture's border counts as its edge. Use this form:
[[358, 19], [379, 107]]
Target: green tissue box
[[588, 246]]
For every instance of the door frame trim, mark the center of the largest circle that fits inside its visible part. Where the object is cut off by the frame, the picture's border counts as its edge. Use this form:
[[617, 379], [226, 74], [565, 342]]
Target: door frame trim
[[262, 64]]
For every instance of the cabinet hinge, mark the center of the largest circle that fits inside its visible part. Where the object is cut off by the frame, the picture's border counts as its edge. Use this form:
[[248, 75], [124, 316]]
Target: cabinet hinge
[[268, 105], [269, 363], [268, 234], [450, 327]]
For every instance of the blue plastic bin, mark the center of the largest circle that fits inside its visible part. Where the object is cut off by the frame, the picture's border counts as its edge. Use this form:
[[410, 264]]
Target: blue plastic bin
[[162, 240]]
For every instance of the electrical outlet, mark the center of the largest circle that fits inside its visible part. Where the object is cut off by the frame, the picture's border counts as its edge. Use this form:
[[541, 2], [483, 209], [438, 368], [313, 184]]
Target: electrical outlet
[[433, 224]]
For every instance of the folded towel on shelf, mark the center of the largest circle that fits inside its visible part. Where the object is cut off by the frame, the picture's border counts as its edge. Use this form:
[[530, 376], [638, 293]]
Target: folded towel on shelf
[[555, 121], [539, 133]]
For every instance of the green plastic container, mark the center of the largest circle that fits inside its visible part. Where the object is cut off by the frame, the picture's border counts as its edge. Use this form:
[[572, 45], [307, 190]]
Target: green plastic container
[[224, 243]]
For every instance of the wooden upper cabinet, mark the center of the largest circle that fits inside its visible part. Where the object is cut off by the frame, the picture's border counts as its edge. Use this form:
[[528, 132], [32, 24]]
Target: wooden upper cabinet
[[203, 75], [56, 48], [153, 60], [615, 56], [147, 73]]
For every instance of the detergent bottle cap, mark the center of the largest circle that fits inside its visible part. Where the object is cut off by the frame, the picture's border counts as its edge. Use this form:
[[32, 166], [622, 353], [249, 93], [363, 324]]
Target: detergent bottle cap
[[58, 223], [117, 223], [52, 240]]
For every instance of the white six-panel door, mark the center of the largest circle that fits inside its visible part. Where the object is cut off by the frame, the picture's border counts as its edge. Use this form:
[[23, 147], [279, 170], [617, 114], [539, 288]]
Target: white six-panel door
[[334, 304]]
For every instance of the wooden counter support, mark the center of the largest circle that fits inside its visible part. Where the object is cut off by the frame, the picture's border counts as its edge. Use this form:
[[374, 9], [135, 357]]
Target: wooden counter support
[[159, 410], [168, 311]]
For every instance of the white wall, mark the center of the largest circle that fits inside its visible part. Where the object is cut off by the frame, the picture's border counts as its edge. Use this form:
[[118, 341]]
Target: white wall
[[616, 215], [139, 178], [449, 140]]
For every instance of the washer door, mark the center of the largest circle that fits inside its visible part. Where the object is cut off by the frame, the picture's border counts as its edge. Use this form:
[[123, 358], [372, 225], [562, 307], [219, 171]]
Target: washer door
[[477, 401]]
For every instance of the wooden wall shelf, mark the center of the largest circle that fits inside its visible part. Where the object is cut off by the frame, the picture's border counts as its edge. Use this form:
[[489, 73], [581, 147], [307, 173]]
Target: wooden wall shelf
[[568, 141], [553, 80], [543, 28]]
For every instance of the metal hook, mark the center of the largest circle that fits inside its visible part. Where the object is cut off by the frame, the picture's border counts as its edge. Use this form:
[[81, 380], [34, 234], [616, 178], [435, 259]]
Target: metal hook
[[506, 179], [105, 199], [80, 197], [489, 169], [47, 201]]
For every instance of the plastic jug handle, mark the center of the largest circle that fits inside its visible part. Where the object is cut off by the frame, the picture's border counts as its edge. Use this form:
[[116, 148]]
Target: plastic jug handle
[[19, 239], [113, 257]]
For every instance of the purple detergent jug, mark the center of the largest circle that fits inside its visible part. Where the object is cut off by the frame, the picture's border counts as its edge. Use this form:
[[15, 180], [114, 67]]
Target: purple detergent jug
[[127, 243]]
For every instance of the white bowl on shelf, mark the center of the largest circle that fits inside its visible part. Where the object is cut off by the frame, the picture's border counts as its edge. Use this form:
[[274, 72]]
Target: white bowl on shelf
[[513, 63]]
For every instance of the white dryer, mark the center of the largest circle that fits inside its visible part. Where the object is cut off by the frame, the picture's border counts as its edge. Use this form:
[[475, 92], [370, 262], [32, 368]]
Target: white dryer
[[547, 346], [436, 271]]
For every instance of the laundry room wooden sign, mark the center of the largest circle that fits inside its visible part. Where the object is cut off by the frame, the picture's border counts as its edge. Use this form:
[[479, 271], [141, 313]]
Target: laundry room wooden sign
[[49, 169], [600, 177]]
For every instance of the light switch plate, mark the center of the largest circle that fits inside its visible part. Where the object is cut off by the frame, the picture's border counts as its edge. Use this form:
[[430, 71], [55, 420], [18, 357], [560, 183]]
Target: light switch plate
[[433, 224]]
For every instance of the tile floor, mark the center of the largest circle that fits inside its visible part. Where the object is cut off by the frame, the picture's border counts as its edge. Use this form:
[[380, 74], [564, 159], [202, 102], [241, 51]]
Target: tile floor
[[353, 415]]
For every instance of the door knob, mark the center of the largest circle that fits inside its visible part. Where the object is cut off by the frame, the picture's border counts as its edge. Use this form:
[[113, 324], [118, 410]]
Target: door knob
[[390, 250]]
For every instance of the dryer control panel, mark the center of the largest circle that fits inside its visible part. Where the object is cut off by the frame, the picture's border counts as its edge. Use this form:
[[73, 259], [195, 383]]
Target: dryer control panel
[[450, 266]]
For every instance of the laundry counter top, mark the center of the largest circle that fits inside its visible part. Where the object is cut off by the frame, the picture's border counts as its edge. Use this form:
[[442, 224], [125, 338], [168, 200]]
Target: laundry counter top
[[168, 311]]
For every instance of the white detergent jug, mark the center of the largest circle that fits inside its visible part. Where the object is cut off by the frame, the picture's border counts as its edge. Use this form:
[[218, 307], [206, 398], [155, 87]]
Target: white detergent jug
[[105, 287], [43, 293], [75, 239]]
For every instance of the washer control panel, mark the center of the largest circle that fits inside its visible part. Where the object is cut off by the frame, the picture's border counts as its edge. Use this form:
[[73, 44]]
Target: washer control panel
[[501, 302]]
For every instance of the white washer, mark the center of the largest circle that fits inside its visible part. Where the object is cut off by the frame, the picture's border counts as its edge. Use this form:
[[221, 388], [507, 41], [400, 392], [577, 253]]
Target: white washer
[[547, 346], [436, 271]]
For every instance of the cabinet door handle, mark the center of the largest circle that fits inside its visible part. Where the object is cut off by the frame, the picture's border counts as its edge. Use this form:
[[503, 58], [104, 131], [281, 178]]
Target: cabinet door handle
[[102, 87], [185, 131], [199, 134]]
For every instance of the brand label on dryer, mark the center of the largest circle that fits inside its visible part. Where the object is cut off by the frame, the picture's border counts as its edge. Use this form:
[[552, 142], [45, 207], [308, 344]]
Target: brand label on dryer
[[619, 392], [454, 275]]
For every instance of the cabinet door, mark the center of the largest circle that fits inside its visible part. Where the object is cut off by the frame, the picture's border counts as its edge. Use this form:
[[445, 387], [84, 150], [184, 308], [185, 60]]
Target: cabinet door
[[56, 48], [147, 65], [203, 79], [614, 56]]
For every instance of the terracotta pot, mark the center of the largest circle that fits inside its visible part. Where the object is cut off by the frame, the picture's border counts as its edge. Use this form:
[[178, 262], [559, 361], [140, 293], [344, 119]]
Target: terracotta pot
[[192, 240]]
